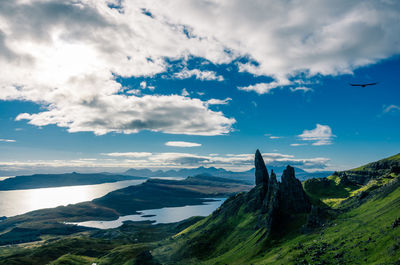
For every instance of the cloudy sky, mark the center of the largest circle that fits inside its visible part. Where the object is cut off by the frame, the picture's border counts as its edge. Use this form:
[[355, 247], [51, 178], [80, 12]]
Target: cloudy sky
[[108, 85]]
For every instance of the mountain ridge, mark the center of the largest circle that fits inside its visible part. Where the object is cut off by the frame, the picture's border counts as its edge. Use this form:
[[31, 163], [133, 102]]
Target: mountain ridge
[[343, 222], [58, 180], [247, 175], [321, 233]]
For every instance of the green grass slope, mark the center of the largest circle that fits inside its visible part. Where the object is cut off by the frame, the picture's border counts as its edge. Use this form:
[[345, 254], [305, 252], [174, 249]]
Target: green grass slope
[[360, 224], [384, 163], [358, 231], [123, 245], [362, 234]]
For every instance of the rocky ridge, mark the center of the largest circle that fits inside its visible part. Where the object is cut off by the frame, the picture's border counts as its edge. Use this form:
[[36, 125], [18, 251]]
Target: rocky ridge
[[279, 199], [364, 174], [272, 201]]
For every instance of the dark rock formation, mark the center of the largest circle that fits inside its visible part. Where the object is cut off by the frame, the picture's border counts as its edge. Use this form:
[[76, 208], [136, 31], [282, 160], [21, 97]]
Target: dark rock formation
[[270, 208], [292, 196], [344, 180], [279, 199], [396, 223], [145, 258], [373, 170], [395, 169], [261, 169], [314, 220]]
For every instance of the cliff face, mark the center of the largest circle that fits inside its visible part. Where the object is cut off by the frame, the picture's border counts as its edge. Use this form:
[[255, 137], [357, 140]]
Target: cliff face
[[259, 213], [293, 199], [270, 200], [261, 170], [281, 199], [263, 225], [364, 174]]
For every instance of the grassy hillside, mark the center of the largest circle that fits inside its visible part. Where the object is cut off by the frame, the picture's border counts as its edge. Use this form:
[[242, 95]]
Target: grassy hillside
[[359, 235], [353, 224], [384, 163], [356, 228], [122, 245], [153, 194]]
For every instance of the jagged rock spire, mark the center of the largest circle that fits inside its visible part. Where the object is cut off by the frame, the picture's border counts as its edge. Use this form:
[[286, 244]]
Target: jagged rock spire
[[261, 170], [273, 176], [293, 197]]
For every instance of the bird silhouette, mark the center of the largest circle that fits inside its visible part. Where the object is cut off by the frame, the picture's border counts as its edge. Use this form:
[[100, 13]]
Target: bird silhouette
[[363, 85]]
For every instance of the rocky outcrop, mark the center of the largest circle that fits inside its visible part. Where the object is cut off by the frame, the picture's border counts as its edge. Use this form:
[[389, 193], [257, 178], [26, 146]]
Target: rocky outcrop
[[270, 209], [292, 196], [396, 223], [344, 180], [314, 220], [279, 199], [364, 174], [145, 258], [261, 170]]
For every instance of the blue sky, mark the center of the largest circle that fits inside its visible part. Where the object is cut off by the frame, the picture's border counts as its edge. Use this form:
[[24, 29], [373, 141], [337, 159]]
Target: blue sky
[[97, 87]]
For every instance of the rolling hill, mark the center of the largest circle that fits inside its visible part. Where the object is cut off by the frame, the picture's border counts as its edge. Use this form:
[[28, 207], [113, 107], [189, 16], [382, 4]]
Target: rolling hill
[[351, 217]]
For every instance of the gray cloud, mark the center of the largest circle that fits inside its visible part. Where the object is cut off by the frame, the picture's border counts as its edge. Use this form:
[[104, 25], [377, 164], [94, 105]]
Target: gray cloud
[[229, 161], [64, 55], [117, 161], [116, 113]]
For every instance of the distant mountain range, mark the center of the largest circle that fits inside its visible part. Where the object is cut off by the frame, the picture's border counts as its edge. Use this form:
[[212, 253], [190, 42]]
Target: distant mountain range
[[72, 179], [350, 217], [57, 180], [247, 176]]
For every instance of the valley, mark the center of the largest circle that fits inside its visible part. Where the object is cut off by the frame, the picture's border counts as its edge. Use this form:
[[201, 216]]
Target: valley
[[351, 217]]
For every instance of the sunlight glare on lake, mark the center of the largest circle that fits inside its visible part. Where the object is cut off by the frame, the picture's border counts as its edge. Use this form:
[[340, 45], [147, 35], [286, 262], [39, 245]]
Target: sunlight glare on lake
[[16, 202], [51, 197]]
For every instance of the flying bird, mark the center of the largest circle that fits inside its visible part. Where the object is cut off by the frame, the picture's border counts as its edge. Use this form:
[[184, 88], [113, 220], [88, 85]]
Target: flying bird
[[363, 85]]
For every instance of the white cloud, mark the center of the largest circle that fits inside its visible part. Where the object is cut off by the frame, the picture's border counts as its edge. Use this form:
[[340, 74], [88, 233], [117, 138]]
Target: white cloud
[[201, 75], [136, 92], [266, 88], [182, 144], [214, 101], [296, 144], [7, 140], [228, 161], [391, 108], [118, 113], [65, 55], [143, 85], [121, 161], [301, 88], [261, 88], [129, 154], [286, 37], [321, 135], [275, 137], [185, 93]]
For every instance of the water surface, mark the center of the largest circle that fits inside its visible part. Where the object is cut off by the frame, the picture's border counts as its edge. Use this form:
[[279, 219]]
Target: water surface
[[14, 202], [163, 215]]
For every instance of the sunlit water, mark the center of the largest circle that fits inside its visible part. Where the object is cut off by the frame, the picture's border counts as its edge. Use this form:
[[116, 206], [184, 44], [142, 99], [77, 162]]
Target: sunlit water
[[16, 202], [6, 177], [163, 215]]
